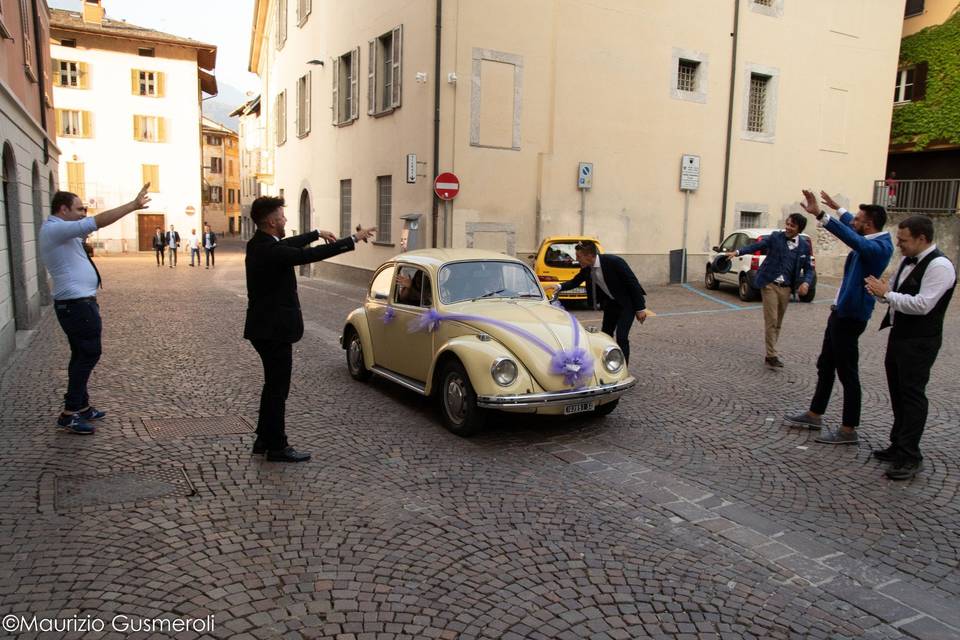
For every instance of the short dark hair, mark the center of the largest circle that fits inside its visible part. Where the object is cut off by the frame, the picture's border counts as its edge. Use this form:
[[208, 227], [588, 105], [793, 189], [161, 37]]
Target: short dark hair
[[918, 226], [798, 219], [877, 215], [587, 246], [263, 207], [62, 199]]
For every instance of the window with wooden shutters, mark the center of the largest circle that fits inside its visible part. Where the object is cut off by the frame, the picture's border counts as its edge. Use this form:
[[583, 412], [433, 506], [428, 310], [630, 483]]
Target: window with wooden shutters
[[149, 129], [304, 7], [346, 87], [384, 209], [70, 73], [303, 105], [281, 23], [280, 117], [26, 25], [147, 83], [76, 181], [911, 84], [151, 174], [384, 72], [74, 124], [216, 165], [346, 207], [216, 194]]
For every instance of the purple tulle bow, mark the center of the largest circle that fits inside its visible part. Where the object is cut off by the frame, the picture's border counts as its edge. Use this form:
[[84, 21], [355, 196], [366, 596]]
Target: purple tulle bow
[[428, 322], [389, 314], [576, 366]]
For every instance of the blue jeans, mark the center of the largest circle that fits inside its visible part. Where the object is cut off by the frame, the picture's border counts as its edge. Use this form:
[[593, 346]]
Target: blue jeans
[[195, 252], [80, 320]]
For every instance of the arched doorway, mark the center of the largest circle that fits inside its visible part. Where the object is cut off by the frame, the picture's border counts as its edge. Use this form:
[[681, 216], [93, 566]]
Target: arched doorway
[[11, 219], [43, 284], [304, 223]]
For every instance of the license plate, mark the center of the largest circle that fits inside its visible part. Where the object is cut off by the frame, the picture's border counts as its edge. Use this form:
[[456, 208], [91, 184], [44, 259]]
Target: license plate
[[577, 291], [578, 408]]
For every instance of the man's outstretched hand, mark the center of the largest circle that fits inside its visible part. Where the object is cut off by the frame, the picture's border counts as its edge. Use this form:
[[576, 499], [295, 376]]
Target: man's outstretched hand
[[364, 234], [827, 200], [810, 203], [142, 199]]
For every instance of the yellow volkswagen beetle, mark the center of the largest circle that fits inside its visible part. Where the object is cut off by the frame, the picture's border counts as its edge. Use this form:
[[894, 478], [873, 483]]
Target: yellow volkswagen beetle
[[475, 330]]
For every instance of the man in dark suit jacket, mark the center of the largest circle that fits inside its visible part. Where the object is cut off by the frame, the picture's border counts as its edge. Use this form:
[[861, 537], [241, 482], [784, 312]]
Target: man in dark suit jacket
[[787, 268], [274, 321], [612, 286], [209, 243], [158, 245], [172, 240]]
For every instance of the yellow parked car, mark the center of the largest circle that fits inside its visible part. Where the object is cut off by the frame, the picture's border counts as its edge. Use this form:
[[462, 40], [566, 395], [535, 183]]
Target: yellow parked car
[[475, 330], [556, 261]]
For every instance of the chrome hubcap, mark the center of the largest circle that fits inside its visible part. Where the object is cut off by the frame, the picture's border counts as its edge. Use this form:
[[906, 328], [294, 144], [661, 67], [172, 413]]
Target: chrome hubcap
[[356, 354], [455, 396]]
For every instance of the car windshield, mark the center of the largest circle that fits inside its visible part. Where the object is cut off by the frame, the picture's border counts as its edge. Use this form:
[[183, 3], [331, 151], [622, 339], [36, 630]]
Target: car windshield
[[561, 254], [460, 281]]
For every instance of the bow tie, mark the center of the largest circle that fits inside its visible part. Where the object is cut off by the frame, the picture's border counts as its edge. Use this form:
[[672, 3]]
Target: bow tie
[[910, 260]]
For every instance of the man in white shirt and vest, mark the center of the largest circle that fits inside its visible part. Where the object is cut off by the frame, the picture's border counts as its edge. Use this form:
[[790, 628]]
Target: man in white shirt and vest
[[75, 284], [917, 300]]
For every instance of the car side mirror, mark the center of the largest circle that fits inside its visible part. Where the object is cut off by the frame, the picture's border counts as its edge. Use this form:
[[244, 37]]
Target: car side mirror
[[532, 256], [716, 249]]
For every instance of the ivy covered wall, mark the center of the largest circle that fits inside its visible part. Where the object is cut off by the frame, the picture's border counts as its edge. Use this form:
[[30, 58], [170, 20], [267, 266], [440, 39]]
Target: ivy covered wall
[[936, 118]]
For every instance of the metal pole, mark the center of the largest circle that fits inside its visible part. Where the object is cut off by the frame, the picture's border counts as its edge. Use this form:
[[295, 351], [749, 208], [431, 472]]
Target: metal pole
[[447, 224], [583, 211], [683, 254]]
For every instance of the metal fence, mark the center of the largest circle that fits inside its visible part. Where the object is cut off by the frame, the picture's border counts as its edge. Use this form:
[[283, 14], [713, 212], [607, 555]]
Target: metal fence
[[918, 196]]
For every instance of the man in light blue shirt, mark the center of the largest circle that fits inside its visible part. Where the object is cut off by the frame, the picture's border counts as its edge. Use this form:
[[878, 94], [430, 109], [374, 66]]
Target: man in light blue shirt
[[75, 283]]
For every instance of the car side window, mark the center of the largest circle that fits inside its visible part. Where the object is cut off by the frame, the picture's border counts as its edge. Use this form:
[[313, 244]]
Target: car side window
[[742, 240], [410, 286], [426, 299], [380, 287], [730, 243]]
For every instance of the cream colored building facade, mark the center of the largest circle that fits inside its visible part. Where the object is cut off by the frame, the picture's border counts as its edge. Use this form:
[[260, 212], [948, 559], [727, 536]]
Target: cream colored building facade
[[221, 178], [128, 112], [527, 91]]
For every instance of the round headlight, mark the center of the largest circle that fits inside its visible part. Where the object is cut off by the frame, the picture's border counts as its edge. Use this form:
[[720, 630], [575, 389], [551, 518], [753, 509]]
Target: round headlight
[[504, 371], [613, 359]]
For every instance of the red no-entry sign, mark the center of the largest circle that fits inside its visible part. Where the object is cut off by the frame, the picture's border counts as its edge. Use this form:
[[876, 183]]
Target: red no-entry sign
[[446, 186]]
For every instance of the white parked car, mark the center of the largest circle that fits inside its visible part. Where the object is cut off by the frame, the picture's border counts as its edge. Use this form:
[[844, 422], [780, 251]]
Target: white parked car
[[743, 272]]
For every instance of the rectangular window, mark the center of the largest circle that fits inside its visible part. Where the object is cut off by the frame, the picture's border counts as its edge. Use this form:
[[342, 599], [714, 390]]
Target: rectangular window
[[384, 208], [214, 141], [216, 165], [913, 8], [303, 105], [749, 219], [75, 124], [687, 75], [216, 194], [76, 182], [26, 27], [151, 174], [384, 72], [903, 92], [146, 83], [281, 23], [64, 42], [346, 204], [304, 7], [764, 3], [757, 104], [146, 52], [149, 129], [280, 107], [70, 73], [346, 87]]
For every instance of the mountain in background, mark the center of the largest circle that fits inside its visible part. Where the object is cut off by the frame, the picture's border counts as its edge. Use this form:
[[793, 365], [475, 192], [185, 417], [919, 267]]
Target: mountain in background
[[219, 107]]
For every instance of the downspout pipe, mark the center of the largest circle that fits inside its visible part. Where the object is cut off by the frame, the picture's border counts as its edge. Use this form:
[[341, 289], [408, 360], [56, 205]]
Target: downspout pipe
[[41, 84], [436, 125], [733, 79]]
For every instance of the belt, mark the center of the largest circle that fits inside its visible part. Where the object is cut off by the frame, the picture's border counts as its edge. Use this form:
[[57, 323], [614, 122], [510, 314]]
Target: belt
[[76, 300], [781, 284]]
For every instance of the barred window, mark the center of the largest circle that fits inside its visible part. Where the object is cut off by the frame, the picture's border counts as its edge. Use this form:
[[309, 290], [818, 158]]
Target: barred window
[[757, 106], [687, 75], [764, 3], [384, 208], [346, 206]]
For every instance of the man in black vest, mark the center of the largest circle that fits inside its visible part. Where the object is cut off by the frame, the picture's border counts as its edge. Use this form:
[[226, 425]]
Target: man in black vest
[[158, 246], [612, 286], [274, 321], [917, 301]]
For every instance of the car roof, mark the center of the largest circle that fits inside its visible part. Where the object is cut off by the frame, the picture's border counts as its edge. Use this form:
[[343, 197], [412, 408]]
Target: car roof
[[569, 239], [437, 257]]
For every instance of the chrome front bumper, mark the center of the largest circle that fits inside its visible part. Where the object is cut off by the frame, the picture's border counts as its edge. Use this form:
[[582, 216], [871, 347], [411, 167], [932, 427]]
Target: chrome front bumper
[[556, 398]]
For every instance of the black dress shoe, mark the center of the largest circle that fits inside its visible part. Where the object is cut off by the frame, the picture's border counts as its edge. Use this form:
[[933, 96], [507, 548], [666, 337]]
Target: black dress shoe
[[905, 470], [259, 448], [885, 455], [287, 454], [774, 362]]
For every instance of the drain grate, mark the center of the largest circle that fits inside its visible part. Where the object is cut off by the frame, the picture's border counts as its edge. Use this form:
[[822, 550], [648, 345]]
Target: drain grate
[[128, 486], [216, 426]]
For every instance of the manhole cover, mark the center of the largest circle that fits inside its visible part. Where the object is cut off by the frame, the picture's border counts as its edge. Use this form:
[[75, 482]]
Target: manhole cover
[[216, 426], [135, 485]]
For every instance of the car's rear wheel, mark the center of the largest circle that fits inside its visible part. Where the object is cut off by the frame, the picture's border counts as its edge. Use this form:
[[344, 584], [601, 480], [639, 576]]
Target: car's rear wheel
[[747, 293], [710, 280], [606, 409], [458, 401], [358, 370]]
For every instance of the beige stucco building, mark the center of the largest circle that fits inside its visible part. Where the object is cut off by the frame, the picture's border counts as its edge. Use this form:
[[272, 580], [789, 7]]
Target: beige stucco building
[[771, 95], [221, 177]]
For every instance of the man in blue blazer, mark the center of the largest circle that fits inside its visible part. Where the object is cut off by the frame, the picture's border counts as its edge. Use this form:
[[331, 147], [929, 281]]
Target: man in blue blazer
[[871, 248], [612, 286], [787, 268]]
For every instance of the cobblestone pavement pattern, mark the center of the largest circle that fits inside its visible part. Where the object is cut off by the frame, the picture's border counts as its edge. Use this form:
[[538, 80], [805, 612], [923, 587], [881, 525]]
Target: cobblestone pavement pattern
[[691, 512]]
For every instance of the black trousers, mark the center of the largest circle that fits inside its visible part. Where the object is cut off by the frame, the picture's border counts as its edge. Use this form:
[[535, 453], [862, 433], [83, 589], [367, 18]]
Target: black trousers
[[211, 258], [908, 363], [840, 358], [277, 360], [617, 321], [159, 251], [80, 321]]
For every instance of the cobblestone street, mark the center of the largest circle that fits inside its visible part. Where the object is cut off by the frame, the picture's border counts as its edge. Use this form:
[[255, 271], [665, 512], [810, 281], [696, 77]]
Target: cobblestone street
[[692, 511]]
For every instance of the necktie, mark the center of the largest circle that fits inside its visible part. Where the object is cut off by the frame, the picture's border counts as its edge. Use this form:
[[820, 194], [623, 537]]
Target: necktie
[[97, 271]]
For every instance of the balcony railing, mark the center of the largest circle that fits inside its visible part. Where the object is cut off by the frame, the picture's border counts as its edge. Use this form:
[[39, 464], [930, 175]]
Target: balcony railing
[[932, 197]]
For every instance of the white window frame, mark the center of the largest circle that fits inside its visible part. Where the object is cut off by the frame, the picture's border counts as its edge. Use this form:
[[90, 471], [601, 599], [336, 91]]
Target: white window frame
[[148, 83], [71, 121], [346, 88], [699, 94], [770, 105], [151, 129], [303, 105], [69, 72], [385, 72], [900, 88]]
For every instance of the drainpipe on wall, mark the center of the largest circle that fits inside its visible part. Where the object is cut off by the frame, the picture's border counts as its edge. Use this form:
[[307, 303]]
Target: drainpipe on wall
[[436, 127], [733, 78], [41, 85]]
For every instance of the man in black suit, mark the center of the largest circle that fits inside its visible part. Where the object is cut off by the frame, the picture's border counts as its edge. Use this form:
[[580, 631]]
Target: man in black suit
[[612, 286], [209, 245], [172, 240], [274, 321], [158, 245]]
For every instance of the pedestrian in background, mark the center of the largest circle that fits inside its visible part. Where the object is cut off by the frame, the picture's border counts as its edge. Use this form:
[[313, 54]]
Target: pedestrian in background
[[870, 251], [193, 242], [917, 300], [158, 246], [209, 244], [75, 283], [173, 243], [788, 268]]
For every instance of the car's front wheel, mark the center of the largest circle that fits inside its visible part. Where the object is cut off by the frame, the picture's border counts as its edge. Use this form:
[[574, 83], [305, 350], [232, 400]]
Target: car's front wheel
[[358, 370], [458, 401], [710, 280], [747, 293], [606, 409]]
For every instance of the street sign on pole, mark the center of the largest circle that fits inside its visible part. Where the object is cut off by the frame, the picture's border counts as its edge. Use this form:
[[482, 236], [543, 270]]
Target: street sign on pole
[[446, 186], [411, 168], [585, 175], [690, 173]]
